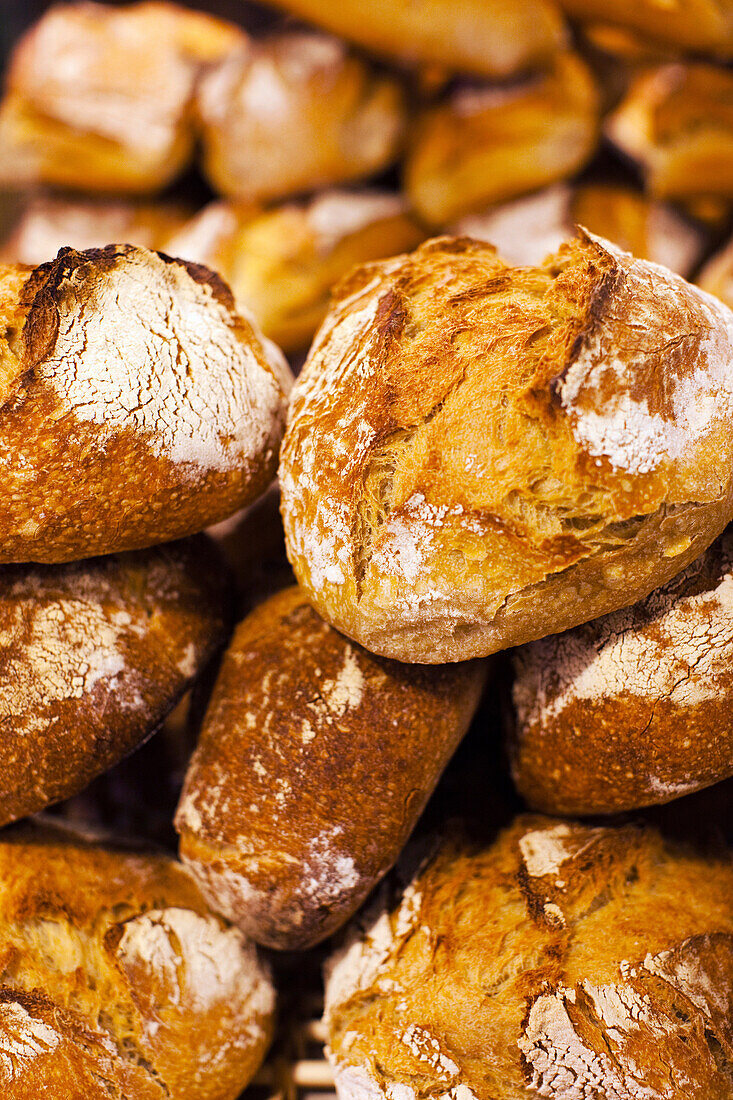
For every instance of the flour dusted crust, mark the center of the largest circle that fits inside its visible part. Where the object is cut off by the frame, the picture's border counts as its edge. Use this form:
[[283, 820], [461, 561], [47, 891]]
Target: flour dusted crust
[[314, 763], [295, 112], [101, 98], [116, 981], [634, 708], [561, 962], [478, 455], [93, 655], [136, 404]]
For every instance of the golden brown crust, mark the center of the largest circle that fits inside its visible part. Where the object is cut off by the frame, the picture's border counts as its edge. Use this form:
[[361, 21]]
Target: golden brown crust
[[503, 453], [314, 763], [697, 25], [115, 976], [560, 962], [93, 655], [136, 405], [717, 275]]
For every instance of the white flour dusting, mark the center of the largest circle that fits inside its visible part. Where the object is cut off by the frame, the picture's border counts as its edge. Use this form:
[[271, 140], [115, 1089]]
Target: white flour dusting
[[22, 1040], [346, 691]]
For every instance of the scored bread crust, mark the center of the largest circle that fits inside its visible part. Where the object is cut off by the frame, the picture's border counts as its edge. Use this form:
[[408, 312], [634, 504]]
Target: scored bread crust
[[560, 962], [314, 762], [634, 708], [93, 656], [136, 404], [478, 456], [116, 981]]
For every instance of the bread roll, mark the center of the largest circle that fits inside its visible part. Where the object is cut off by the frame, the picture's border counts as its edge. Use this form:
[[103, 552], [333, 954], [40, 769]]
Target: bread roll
[[479, 455], [49, 223], [295, 112], [559, 962], [314, 762], [99, 98], [487, 143], [526, 230], [634, 708], [704, 26], [676, 123], [717, 275], [282, 264], [93, 655], [137, 404], [117, 982], [492, 40]]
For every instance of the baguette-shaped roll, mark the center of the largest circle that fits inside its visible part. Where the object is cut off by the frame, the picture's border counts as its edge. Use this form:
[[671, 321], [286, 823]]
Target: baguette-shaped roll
[[698, 26], [100, 98], [282, 264], [314, 762], [479, 455], [634, 708], [485, 144], [117, 982], [558, 963], [93, 655], [295, 112], [528, 229], [717, 275], [491, 40], [137, 404], [676, 123]]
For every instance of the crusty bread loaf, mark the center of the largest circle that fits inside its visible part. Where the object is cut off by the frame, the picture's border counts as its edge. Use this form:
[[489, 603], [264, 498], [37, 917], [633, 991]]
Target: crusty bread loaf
[[294, 112], [633, 708], [117, 982], [528, 229], [282, 264], [479, 455], [100, 98], [137, 405], [560, 962], [93, 655], [314, 762], [484, 144], [717, 275], [700, 26]]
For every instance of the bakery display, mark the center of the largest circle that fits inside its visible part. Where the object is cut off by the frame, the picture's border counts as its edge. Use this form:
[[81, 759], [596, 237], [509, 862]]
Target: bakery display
[[117, 981], [315, 761], [296, 111], [560, 961], [486, 143], [633, 708], [479, 455], [137, 404]]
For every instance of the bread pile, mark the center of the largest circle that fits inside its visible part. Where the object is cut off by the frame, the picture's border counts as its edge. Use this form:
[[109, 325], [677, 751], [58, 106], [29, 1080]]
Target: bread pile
[[418, 665]]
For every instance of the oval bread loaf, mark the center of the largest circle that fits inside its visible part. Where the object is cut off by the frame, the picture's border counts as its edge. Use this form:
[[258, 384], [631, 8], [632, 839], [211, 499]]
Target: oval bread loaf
[[633, 708], [560, 962], [314, 763], [479, 455], [93, 655], [136, 404], [116, 981]]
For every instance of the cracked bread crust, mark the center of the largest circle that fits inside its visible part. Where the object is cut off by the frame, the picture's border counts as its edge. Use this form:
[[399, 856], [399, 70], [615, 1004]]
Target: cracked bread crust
[[116, 981], [478, 455], [314, 763], [634, 708], [562, 962], [136, 404]]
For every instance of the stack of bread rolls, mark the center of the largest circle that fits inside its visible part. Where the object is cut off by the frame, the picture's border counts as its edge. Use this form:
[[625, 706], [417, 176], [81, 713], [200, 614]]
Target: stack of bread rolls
[[419, 665]]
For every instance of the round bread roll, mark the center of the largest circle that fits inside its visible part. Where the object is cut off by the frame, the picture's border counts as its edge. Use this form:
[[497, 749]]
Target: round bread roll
[[282, 264], [93, 655], [487, 143], [479, 455], [137, 404], [528, 229], [295, 112], [117, 982], [497, 39], [560, 962], [100, 98], [314, 763], [634, 708], [704, 26], [717, 275], [676, 123]]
